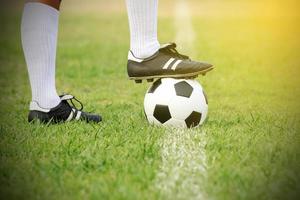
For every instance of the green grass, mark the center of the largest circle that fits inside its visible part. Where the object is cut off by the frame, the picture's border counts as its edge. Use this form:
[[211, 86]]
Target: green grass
[[252, 131]]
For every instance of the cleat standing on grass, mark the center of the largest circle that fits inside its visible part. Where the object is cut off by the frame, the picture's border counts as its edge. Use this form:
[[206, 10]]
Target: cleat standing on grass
[[166, 63], [63, 112]]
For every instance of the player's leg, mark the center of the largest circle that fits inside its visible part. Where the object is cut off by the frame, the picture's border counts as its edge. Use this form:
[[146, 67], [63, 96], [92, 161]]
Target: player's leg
[[142, 16], [39, 29], [39, 37], [146, 58]]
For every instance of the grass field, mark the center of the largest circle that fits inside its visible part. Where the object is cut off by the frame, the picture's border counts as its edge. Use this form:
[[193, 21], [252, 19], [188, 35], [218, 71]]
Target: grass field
[[248, 148]]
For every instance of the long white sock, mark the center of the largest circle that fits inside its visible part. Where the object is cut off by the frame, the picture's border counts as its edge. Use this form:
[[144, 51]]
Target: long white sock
[[142, 15], [39, 39]]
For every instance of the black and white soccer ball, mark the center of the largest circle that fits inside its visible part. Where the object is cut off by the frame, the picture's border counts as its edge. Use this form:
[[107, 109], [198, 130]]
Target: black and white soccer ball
[[176, 102]]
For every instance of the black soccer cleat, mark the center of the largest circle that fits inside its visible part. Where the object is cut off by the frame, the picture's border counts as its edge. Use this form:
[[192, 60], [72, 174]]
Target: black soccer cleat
[[165, 63], [63, 112]]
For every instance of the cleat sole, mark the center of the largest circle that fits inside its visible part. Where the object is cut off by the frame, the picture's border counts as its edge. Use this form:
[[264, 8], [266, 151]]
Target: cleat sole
[[150, 80], [179, 76]]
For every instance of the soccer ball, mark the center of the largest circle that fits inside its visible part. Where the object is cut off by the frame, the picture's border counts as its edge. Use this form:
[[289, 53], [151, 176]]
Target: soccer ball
[[176, 102]]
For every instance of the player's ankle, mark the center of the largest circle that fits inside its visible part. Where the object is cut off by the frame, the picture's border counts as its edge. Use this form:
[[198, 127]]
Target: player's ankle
[[47, 102], [145, 50]]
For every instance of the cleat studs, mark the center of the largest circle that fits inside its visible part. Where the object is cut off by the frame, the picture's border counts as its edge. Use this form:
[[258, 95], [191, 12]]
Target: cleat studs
[[150, 80], [192, 77], [138, 81]]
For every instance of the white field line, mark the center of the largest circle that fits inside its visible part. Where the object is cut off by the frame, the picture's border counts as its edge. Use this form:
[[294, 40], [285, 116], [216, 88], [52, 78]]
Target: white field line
[[183, 170], [185, 34]]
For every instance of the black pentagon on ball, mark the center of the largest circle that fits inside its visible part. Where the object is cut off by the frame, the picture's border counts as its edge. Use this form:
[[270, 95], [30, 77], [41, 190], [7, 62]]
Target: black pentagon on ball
[[154, 86], [162, 113], [183, 89], [193, 120]]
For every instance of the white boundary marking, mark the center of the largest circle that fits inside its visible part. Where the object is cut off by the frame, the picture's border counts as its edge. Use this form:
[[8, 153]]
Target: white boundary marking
[[182, 173], [183, 170], [185, 34]]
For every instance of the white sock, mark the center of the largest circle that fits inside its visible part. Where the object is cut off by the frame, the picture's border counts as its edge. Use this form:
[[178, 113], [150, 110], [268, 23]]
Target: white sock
[[39, 38], [142, 15]]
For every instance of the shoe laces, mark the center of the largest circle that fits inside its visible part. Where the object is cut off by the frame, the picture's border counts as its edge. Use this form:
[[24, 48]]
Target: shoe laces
[[70, 98], [171, 50]]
